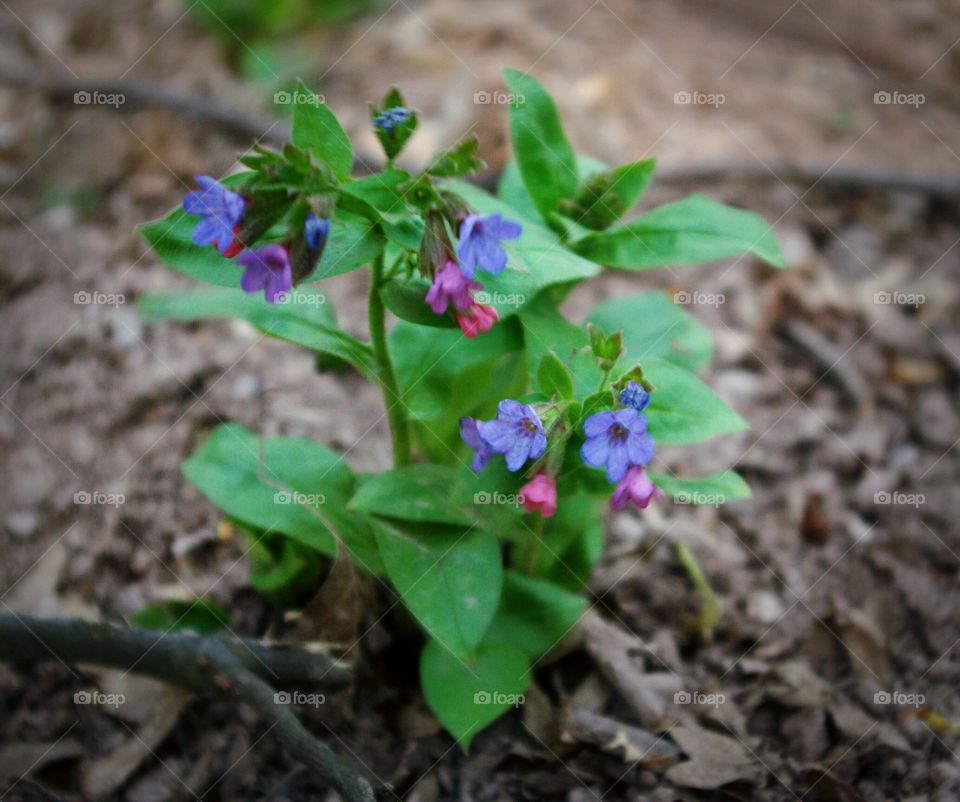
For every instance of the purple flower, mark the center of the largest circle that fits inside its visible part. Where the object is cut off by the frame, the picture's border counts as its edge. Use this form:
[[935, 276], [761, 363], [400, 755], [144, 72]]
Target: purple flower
[[480, 239], [315, 231], [616, 440], [450, 286], [220, 209], [635, 488], [635, 396], [267, 269], [517, 433], [471, 436]]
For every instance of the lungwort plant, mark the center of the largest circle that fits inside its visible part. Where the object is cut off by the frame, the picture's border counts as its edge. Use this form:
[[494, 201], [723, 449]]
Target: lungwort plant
[[512, 427]]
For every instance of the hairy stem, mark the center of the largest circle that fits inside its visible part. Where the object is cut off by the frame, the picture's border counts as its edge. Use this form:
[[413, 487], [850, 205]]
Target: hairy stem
[[399, 430]]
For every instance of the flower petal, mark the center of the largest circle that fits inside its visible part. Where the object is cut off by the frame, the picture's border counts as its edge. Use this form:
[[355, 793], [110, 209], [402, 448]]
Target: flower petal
[[598, 423], [595, 450]]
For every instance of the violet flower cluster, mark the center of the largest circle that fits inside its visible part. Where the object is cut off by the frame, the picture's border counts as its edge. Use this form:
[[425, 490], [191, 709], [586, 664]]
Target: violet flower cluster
[[618, 441], [266, 268], [480, 248]]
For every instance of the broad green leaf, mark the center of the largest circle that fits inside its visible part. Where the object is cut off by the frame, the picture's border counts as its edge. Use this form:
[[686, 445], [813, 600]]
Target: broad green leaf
[[714, 488], [553, 378], [683, 409], [316, 129], [415, 493], [381, 190], [449, 578], [429, 362], [572, 570], [304, 318], [534, 615], [280, 484], [607, 196], [201, 616], [544, 155], [280, 566], [466, 697], [353, 242], [534, 261], [654, 326], [511, 190], [696, 229]]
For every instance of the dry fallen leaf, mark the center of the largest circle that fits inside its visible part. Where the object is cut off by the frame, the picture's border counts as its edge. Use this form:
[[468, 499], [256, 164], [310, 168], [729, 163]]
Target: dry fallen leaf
[[715, 759]]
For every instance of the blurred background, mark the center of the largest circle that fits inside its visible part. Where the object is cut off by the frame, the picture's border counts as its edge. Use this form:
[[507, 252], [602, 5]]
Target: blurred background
[[837, 121]]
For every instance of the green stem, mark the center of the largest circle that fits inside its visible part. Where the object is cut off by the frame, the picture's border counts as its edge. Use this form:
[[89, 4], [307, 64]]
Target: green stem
[[399, 430], [711, 606]]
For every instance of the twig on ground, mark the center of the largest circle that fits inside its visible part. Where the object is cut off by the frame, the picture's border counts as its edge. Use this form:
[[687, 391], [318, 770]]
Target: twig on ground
[[240, 668]]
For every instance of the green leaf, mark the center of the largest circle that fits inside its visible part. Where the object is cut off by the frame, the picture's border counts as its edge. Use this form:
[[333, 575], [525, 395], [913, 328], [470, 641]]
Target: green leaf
[[696, 229], [654, 326], [459, 160], [406, 300], [383, 190], [393, 140], [534, 615], [448, 578], [303, 318], [429, 363], [468, 697], [283, 484], [415, 493], [683, 409], [353, 242], [511, 190], [201, 616], [607, 196], [316, 129], [553, 378], [280, 566], [544, 155], [572, 570], [534, 261], [714, 488]]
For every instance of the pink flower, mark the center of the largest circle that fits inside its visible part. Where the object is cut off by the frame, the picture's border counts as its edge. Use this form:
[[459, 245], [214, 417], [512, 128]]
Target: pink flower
[[450, 286], [635, 487], [540, 493], [477, 319]]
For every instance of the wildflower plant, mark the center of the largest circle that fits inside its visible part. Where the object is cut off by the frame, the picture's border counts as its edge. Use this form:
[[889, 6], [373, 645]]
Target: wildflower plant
[[512, 427]]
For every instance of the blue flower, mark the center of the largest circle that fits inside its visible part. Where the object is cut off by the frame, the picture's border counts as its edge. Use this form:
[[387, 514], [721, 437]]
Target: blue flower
[[220, 209], [315, 231], [633, 395], [480, 238], [268, 269], [471, 436], [517, 433], [616, 440], [389, 119]]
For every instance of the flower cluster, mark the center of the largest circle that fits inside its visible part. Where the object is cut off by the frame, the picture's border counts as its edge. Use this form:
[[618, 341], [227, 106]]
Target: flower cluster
[[617, 440], [389, 119], [269, 267], [517, 433], [480, 248]]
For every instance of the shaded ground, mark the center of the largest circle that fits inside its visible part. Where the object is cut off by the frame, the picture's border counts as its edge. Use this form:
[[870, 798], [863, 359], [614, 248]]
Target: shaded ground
[[834, 593]]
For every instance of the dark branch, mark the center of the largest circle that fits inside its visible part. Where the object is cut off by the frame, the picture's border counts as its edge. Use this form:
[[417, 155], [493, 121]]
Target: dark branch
[[240, 668]]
